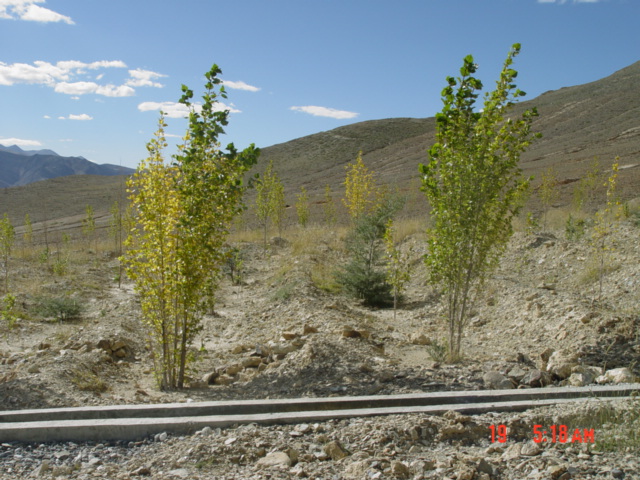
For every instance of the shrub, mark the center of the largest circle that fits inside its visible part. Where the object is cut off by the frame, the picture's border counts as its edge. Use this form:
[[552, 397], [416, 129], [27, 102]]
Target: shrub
[[58, 308], [364, 276]]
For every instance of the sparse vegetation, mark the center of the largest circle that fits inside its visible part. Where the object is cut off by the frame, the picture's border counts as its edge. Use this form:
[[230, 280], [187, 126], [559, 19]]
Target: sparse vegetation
[[473, 184], [60, 309], [184, 212], [7, 237]]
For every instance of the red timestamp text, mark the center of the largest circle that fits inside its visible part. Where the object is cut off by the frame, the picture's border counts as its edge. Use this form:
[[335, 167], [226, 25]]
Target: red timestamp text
[[552, 434]]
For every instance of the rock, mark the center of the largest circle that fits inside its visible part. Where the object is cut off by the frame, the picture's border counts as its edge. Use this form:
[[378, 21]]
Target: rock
[[142, 471], [544, 358], [224, 380], [309, 329], [210, 378], [419, 339], [556, 471], [289, 335], [617, 375], [466, 473], [235, 368], [561, 362], [400, 470], [582, 375], [530, 449], [251, 362], [497, 381], [179, 472], [536, 379], [117, 345], [516, 373], [350, 332], [357, 470], [484, 467], [120, 353], [105, 345], [335, 450], [275, 459]]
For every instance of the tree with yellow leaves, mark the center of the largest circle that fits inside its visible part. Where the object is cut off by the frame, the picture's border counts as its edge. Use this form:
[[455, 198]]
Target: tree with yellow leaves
[[183, 212], [360, 188]]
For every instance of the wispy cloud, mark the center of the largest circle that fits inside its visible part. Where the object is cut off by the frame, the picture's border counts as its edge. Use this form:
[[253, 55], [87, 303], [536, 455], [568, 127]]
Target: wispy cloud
[[325, 112], [179, 110], [67, 77], [28, 10], [144, 78], [21, 142], [82, 117], [240, 86]]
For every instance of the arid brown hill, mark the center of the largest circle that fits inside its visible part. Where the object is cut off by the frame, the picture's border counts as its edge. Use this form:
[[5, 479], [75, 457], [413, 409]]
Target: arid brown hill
[[595, 120]]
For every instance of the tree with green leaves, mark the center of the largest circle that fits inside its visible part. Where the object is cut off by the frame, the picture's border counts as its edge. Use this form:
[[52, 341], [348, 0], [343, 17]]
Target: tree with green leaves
[[279, 204], [364, 276], [474, 187], [361, 190], [89, 225], [302, 207], [329, 208], [265, 205], [398, 265], [606, 222], [184, 210], [27, 236], [7, 237]]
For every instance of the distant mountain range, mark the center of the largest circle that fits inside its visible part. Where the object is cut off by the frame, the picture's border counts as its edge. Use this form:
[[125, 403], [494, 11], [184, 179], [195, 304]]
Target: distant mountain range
[[21, 167]]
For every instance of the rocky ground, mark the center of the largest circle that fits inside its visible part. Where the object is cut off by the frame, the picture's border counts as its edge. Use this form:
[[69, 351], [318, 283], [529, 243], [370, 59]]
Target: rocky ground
[[279, 333]]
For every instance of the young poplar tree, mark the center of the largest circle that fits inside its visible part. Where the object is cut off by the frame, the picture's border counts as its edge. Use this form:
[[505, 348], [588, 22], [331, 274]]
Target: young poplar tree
[[7, 237], [398, 265], [606, 221], [279, 204], [184, 212], [265, 206], [89, 225], [474, 186], [302, 207], [360, 188], [329, 208]]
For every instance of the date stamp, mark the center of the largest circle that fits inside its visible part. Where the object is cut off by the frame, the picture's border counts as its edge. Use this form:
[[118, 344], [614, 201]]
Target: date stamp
[[551, 434]]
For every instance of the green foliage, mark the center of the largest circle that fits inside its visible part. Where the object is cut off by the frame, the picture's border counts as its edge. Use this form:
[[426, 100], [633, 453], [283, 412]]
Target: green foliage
[[574, 228], [364, 276], [361, 189], [302, 207], [7, 312], [269, 200], [7, 237], [438, 350], [183, 213], [60, 309], [27, 236], [606, 222], [473, 184], [329, 207], [584, 191], [234, 265], [398, 265], [89, 225]]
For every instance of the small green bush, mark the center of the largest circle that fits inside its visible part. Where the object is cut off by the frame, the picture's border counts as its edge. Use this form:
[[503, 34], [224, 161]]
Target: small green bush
[[364, 276], [58, 308], [574, 228]]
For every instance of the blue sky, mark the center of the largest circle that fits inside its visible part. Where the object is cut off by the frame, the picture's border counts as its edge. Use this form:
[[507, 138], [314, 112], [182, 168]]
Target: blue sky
[[87, 78]]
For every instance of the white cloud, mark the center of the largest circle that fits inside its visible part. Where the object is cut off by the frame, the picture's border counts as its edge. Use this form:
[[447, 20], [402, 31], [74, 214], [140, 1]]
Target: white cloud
[[179, 110], [20, 142], [81, 117], [47, 117], [28, 10], [144, 78], [67, 77], [240, 86], [325, 112]]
